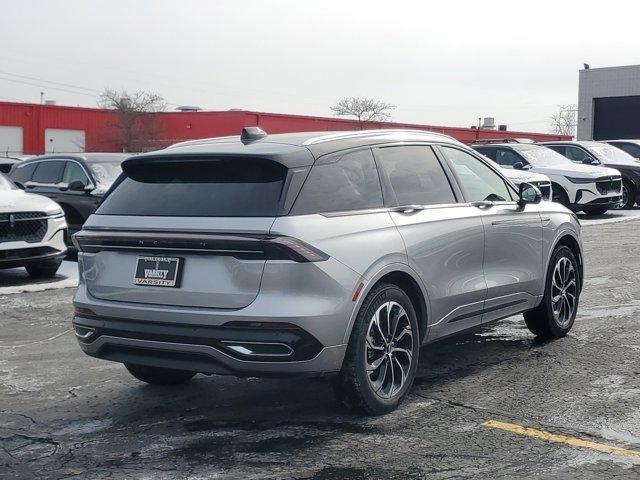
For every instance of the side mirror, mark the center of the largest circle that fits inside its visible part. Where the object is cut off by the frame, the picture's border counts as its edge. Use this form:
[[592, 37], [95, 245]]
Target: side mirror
[[518, 166], [590, 161], [529, 194], [76, 186]]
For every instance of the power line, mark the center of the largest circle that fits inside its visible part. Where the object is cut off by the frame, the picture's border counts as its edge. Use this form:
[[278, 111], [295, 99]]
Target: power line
[[49, 81], [47, 86]]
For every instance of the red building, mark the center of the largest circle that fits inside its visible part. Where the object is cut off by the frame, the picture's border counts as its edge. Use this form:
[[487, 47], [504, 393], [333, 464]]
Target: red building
[[35, 129]]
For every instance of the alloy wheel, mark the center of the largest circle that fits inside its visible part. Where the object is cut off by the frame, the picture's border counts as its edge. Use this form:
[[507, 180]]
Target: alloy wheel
[[625, 198], [564, 291], [389, 349]]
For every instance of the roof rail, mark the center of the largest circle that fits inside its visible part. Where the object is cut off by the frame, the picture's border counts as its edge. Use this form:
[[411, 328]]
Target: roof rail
[[365, 133], [502, 140]]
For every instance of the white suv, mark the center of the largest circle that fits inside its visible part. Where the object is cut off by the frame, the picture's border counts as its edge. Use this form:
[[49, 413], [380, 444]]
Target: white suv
[[32, 231], [588, 188], [524, 176]]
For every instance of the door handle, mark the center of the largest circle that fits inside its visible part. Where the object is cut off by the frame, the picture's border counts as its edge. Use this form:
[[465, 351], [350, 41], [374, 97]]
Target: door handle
[[408, 208], [482, 204]]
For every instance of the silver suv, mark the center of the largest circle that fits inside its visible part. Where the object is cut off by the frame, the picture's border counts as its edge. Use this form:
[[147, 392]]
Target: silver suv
[[316, 253]]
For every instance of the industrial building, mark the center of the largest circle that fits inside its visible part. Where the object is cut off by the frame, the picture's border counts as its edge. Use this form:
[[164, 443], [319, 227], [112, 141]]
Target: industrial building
[[35, 129], [609, 103]]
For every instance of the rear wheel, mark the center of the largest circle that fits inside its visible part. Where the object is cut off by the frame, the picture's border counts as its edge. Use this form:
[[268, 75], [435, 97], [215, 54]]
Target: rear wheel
[[382, 355], [45, 269], [159, 376], [554, 317]]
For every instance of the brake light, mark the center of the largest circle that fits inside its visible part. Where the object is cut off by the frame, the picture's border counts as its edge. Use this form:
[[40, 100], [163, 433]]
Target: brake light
[[283, 248]]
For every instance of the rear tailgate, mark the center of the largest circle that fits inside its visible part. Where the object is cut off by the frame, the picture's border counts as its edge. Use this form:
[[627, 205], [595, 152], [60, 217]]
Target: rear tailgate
[[183, 231], [216, 270]]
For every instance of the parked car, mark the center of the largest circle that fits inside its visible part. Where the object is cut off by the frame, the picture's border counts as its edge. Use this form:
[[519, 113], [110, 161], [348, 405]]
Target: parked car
[[587, 188], [76, 181], [32, 231], [632, 147], [599, 153], [537, 179], [7, 163], [332, 253]]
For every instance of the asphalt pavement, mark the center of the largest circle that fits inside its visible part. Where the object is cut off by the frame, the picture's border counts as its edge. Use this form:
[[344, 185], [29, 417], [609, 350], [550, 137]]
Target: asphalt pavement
[[496, 403]]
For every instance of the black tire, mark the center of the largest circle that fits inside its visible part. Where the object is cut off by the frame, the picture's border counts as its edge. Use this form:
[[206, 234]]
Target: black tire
[[46, 269], [353, 386], [558, 195], [592, 212], [628, 195], [542, 321], [159, 376]]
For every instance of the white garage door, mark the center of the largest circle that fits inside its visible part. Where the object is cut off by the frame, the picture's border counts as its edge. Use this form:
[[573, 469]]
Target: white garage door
[[57, 140], [10, 141]]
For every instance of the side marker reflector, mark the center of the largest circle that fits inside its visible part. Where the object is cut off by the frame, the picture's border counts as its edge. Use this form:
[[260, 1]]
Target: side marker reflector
[[356, 294]]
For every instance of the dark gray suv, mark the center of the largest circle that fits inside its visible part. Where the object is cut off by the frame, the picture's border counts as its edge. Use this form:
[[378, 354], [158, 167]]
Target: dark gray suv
[[316, 253]]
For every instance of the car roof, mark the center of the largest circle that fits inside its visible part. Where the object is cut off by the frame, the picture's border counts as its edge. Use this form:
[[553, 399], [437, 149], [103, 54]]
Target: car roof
[[292, 149], [623, 140], [572, 142], [88, 157]]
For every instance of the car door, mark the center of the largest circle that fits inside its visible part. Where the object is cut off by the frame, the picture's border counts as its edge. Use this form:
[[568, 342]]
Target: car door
[[512, 266], [46, 179], [444, 239], [77, 204]]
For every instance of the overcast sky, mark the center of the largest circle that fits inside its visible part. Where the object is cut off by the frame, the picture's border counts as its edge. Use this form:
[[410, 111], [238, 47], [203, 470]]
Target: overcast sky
[[440, 63]]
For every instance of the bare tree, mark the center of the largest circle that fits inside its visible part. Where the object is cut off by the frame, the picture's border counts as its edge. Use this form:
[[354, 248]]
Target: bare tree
[[134, 128], [364, 109], [565, 120]]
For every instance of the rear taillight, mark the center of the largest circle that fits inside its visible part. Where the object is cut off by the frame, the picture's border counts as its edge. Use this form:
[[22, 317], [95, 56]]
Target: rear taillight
[[289, 248], [268, 247]]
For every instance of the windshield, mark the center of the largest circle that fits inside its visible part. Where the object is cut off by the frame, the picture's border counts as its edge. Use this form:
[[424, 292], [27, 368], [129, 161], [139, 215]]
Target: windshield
[[6, 184], [105, 173], [608, 154], [543, 157]]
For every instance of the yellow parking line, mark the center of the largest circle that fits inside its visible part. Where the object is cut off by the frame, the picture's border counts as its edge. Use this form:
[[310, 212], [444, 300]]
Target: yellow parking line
[[552, 437]]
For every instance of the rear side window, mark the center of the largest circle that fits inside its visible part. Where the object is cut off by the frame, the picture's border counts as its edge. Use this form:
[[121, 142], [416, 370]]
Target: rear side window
[[350, 182], [49, 172], [23, 173], [228, 187], [416, 176]]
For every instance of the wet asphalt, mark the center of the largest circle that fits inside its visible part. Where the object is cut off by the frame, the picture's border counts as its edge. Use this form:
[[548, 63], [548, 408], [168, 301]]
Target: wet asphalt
[[65, 415]]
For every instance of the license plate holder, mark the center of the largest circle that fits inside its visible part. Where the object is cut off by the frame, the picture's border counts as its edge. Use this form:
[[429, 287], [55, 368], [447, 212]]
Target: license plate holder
[[158, 271]]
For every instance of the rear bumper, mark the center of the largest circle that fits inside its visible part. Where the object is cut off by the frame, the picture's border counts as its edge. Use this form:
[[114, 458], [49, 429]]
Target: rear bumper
[[208, 349]]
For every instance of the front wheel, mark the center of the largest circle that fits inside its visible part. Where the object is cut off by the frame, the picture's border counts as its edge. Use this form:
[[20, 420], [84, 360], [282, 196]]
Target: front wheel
[[382, 355], [596, 211], [554, 317], [558, 195], [628, 196], [45, 269]]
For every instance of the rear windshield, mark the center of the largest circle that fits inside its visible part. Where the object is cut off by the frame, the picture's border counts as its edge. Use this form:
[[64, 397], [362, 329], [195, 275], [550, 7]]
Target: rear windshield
[[212, 188]]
